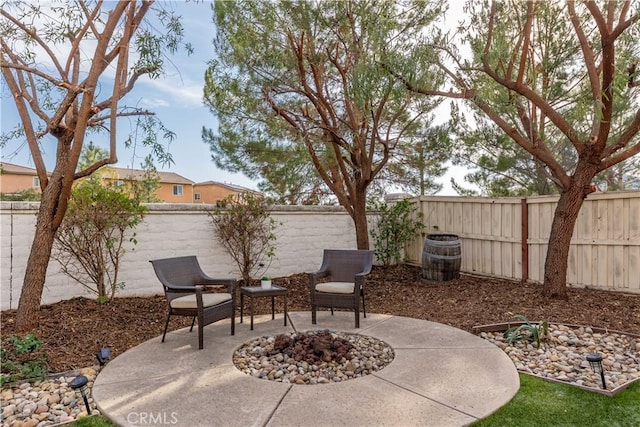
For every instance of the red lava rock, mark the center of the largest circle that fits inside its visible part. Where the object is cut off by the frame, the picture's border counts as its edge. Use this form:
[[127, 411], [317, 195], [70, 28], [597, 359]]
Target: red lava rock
[[313, 348]]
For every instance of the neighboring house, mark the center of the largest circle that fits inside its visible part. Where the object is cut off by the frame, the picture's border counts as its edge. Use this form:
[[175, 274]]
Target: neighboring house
[[16, 178], [174, 188], [211, 192]]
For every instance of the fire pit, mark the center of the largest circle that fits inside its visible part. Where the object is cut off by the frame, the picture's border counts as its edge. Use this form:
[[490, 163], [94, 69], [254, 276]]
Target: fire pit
[[312, 357]]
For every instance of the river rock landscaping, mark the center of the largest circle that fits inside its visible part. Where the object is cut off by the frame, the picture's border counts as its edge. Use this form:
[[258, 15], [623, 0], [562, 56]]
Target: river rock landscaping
[[563, 356], [47, 402]]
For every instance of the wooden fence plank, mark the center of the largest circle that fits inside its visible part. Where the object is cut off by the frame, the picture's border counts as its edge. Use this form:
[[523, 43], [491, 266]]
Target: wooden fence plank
[[605, 247]]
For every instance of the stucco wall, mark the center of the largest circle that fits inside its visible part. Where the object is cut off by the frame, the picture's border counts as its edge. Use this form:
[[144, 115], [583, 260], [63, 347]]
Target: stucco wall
[[14, 183], [173, 230], [211, 193], [165, 193]]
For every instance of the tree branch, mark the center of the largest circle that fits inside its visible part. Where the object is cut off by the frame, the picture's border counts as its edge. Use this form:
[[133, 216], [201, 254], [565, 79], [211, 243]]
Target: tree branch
[[526, 40], [94, 167], [21, 85], [622, 142], [620, 157], [540, 151], [623, 25], [35, 71], [134, 22], [465, 94], [590, 61], [607, 41], [77, 39], [27, 125], [32, 33], [97, 120], [632, 74]]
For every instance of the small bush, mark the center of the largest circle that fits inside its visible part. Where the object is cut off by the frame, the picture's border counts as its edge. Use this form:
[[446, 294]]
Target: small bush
[[244, 227], [22, 358], [527, 331], [92, 239], [28, 195], [396, 225]]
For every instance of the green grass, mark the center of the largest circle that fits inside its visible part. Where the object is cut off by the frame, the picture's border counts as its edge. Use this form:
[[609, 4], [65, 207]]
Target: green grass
[[540, 403], [94, 421]]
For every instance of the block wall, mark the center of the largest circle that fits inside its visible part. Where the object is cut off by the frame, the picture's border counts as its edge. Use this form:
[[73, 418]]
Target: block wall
[[173, 230]]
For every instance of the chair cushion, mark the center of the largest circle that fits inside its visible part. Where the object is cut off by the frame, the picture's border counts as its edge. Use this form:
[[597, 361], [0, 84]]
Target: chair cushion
[[189, 301], [336, 287]]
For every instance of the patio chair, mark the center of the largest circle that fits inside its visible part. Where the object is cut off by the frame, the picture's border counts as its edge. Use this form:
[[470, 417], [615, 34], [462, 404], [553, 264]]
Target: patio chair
[[184, 285], [344, 272]]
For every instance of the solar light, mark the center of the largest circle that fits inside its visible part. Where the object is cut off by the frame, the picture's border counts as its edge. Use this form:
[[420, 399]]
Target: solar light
[[103, 355], [79, 384], [595, 360]]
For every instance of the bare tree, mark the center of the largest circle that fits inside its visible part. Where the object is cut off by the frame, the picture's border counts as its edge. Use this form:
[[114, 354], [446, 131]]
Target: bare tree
[[67, 77]]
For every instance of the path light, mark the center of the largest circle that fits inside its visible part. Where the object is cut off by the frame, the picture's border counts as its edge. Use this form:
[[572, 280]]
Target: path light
[[79, 383], [595, 360], [103, 355]]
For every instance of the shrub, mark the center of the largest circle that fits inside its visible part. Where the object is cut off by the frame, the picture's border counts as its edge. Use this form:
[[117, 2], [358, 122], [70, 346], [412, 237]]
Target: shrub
[[28, 195], [90, 242], [396, 225], [22, 358], [245, 229], [527, 331]]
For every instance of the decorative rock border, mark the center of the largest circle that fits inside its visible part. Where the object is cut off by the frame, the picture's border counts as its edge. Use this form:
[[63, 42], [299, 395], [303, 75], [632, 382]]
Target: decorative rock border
[[48, 402], [564, 359]]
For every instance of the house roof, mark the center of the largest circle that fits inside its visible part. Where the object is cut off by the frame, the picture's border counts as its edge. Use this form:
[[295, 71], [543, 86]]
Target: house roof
[[138, 174], [226, 185], [17, 169]]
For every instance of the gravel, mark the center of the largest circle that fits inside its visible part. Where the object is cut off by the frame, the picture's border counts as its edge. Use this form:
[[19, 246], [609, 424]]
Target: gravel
[[260, 358], [47, 402], [562, 356]]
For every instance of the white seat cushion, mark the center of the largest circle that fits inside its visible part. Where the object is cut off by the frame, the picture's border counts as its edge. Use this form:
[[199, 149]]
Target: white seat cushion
[[336, 287], [189, 301]]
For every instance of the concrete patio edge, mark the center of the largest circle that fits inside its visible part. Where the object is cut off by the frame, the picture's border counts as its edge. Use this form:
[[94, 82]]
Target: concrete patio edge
[[441, 376]]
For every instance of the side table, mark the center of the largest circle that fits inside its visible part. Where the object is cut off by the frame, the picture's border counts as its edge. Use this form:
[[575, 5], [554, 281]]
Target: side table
[[257, 292]]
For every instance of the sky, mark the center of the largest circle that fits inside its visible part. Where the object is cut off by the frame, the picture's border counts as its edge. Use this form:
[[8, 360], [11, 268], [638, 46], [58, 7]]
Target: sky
[[176, 98]]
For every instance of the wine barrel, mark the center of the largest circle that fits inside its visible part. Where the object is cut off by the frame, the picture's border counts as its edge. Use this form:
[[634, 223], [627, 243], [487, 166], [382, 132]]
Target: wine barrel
[[441, 257]]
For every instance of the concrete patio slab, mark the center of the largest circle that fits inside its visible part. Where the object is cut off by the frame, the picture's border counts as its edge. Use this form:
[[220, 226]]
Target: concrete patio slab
[[444, 376], [441, 376], [424, 334], [368, 401]]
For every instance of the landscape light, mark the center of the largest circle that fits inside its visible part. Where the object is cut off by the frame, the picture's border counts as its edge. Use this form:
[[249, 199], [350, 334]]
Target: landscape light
[[103, 355], [79, 383], [595, 360]]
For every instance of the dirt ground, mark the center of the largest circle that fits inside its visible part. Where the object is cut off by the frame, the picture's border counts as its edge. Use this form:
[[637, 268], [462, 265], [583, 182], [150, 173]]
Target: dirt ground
[[73, 330]]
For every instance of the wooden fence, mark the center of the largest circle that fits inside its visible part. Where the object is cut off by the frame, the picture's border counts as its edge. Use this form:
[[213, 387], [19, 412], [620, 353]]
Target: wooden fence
[[508, 237]]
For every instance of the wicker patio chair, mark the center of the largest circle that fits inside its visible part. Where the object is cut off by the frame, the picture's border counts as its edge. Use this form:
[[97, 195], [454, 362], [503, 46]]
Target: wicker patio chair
[[343, 286], [184, 283]]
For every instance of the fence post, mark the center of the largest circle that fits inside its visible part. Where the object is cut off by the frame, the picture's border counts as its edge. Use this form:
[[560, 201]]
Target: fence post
[[524, 239]]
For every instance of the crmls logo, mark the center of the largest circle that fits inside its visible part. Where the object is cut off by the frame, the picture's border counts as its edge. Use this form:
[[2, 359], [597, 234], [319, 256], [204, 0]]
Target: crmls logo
[[152, 418]]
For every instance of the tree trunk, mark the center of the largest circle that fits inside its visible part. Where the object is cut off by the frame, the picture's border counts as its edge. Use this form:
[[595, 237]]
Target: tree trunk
[[47, 225], [564, 219], [360, 219]]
